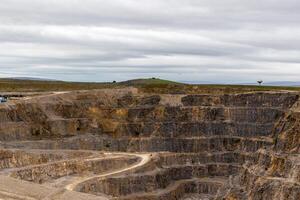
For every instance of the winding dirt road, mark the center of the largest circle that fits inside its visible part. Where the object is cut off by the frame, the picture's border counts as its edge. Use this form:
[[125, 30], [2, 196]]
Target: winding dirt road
[[144, 159], [14, 189]]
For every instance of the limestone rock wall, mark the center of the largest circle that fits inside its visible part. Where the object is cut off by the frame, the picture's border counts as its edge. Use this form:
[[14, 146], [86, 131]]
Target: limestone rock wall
[[232, 146]]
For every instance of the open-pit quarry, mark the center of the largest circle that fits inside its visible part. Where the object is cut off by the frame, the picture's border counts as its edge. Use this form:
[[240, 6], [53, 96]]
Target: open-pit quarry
[[128, 145]]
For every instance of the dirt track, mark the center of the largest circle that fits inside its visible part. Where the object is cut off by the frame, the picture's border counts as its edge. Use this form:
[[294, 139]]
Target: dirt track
[[16, 189]]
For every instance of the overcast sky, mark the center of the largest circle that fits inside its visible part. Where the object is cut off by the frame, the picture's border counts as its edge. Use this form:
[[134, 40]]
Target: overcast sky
[[221, 41]]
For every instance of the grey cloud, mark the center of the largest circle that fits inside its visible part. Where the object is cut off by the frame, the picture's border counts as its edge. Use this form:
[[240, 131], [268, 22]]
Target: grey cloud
[[99, 40]]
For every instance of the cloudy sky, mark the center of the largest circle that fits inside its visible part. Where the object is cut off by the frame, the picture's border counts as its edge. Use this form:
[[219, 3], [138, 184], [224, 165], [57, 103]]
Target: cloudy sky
[[221, 41]]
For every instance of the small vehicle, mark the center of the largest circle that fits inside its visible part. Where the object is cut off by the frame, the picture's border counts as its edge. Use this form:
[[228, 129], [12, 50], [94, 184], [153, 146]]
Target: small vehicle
[[3, 99]]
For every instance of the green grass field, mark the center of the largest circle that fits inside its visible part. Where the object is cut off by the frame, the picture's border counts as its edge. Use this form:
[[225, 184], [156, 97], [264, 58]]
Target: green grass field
[[146, 85]]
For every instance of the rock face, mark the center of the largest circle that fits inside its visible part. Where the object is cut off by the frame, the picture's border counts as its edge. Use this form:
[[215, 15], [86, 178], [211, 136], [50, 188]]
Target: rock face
[[231, 146]]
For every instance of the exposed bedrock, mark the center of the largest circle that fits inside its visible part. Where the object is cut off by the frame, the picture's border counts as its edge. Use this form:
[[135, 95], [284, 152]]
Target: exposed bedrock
[[47, 172], [153, 144], [268, 187], [288, 133], [154, 180], [251, 99], [166, 147], [139, 117], [209, 187], [21, 158]]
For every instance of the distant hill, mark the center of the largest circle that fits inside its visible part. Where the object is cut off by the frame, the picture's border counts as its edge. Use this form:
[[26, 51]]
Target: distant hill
[[283, 83], [157, 81], [150, 85], [275, 83], [149, 81], [29, 79]]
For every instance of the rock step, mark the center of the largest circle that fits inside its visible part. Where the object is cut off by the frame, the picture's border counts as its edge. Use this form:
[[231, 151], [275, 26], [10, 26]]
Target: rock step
[[189, 114], [59, 128], [55, 170], [8, 114], [68, 127], [179, 113], [15, 131], [288, 132], [158, 179], [196, 144], [191, 129], [169, 159], [281, 166], [284, 100], [129, 100], [179, 188], [269, 187], [12, 158], [155, 144]]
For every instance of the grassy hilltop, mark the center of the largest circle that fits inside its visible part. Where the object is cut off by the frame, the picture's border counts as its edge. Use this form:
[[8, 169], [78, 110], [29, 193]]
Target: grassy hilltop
[[150, 85]]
